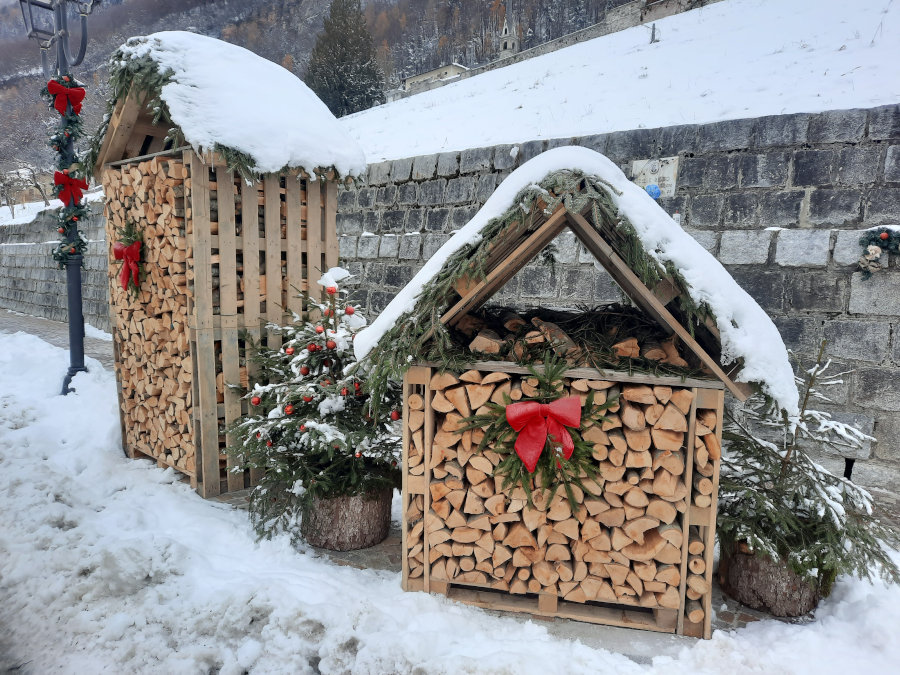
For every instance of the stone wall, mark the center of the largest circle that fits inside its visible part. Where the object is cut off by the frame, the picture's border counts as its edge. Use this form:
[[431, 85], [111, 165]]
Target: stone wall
[[779, 200], [30, 281]]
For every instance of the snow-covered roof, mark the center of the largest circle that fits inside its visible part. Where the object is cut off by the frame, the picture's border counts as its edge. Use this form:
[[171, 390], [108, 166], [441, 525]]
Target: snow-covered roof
[[745, 330], [220, 94], [728, 60]]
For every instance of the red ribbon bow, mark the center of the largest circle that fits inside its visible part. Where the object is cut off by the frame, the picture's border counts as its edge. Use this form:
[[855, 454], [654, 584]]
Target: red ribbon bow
[[64, 95], [72, 187], [131, 255], [536, 421]]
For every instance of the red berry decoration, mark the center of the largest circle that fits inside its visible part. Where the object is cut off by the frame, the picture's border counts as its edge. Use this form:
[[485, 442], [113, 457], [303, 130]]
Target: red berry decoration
[[268, 444], [288, 409], [331, 290], [349, 310], [326, 383], [289, 351], [75, 218], [326, 363], [356, 385], [884, 236], [307, 399], [302, 427], [304, 370], [358, 455], [329, 312], [255, 400], [61, 230], [331, 344], [395, 415], [258, 435], [72, 250], [345, 391], [65, 78], [320, 329], [66, 171]]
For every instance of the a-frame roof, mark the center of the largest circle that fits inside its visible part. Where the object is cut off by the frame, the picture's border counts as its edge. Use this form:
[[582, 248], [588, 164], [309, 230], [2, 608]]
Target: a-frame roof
[[608, 214]]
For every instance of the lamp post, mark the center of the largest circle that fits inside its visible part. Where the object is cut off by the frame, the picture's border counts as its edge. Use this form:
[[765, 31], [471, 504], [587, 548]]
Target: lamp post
[[47, 23]]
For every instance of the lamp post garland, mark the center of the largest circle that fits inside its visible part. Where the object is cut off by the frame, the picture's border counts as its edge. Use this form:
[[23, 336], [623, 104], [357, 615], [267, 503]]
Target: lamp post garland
[[65, 95]]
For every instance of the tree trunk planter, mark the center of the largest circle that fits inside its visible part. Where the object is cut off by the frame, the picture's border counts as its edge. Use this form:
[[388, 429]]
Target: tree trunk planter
[[765, 584], [349, 522]]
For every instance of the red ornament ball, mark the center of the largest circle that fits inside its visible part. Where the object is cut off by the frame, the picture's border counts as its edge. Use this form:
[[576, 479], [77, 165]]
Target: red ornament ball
[[884, 236], [304, 370], [67, 134], [329, 312], [302, 427], [288, 409], [331, 344], [61, 230], [75, 218], [258, 435], [356, 385], [312, 347], [320, 329], [331, 290], [349, 310], [326, 383], [358, 455], [255, 400], [307, 399], [72, 250], [289, 351], [326, 363], [268, 444], [66, 172], [395, 415], [65, 78], [345, 391]]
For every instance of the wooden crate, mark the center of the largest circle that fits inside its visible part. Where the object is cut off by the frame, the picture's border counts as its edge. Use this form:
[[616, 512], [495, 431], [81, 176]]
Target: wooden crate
[[221, 257], [463, 533]]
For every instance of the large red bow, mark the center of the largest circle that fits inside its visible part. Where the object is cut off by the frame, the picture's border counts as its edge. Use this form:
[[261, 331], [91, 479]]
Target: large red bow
[[64, 95], [536, 421], [131, 255], [72, 187]]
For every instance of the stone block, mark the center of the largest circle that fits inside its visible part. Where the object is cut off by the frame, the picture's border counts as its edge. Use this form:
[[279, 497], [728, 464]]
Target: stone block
[[370, 220], [740, 209], [390, 245], [367, 246], [782, 130], [448, 164], [365, 197], [539, 281], [378, 300], [475, 160], [745, 247], [432, 243], [802, 335], [846, 248], [887, 431], [834, 207], [720, 172], [566, 247], [407, 194], [858, 340], [374, 273], [432, 192], [813, 167], [485, 187], [677, 140], [766, 170], [401, 169], [386, 196], [837, 126], [437, 220], [780, 209], [895, 329], [892, 164], [862, 421], [884, 123], [606, 290], [857, 166], [803, 248], [690, 172], [878, 389], [424, 167], [882, 206], [877, 295], [379, 173], [705, 211], [461, 215], [505, 156], [577, 286], [708, 239], [410, 246], [529, 150], [460, 190], [415, 220], [767, 288], [397, 276], [348, 223], [393, 221], [727, 135], [346, 198], [625, 146], [816, 291], [595, 142], [347, 247]]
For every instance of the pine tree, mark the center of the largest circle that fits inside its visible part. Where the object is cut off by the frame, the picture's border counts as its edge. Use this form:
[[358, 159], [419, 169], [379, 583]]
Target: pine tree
[[310, 426], [343, 69]]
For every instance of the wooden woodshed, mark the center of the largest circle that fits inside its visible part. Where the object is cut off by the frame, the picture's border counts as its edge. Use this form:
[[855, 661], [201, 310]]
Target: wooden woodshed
[[638, 549], [230, 176]]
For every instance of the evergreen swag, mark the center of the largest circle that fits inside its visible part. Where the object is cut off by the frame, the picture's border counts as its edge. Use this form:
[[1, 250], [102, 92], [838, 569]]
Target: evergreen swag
[[774, 501], [876, 242], [403, 344], [553, 470], [342, 69], [309, 427]]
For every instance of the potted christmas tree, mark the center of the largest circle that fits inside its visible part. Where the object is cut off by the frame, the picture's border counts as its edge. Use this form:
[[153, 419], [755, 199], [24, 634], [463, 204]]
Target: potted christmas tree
[[787, 527], [329, 465]]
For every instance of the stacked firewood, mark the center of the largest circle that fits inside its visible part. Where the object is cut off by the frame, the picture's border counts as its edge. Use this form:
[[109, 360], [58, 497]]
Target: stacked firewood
[[151, 330], [622, 543]]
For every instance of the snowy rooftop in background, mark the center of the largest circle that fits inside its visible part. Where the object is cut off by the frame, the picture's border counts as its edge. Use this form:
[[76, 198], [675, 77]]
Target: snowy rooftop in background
[[223, 94], [746, 331], [729, 60]]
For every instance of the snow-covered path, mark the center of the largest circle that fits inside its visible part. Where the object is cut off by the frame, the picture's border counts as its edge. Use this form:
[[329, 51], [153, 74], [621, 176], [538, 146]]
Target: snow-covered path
[[110, 565]]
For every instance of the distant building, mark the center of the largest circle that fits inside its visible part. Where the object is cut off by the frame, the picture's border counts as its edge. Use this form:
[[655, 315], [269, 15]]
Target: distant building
[[421, 81], [509, 39]]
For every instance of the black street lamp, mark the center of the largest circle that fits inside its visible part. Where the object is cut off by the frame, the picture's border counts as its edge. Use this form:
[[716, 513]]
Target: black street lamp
[[47, 22]]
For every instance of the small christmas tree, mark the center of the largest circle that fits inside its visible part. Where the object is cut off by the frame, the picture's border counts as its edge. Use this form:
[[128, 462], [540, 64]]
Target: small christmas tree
[[310, 427]]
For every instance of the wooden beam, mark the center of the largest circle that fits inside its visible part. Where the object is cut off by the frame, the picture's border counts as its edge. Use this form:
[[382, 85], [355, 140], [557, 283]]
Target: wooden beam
[[118, 131]]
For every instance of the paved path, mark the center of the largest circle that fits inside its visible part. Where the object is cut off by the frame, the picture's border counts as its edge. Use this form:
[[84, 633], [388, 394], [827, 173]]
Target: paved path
[[56, 333]]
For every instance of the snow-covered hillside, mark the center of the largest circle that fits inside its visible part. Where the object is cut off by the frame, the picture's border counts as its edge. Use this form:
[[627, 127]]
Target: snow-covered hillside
[[729, 60]]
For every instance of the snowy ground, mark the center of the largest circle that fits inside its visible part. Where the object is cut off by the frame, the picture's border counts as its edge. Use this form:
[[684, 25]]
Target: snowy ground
[[111, 565], [25, 213]]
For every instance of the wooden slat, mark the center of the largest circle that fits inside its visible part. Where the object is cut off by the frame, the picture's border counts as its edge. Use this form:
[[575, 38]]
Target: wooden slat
[[293, 198], [231, 367], [315, 264], [118, 132], [641, 295], [404, 487], [274, 309], [686, 518], [207, 463], [429, 436], [330, 225], [711, 531]]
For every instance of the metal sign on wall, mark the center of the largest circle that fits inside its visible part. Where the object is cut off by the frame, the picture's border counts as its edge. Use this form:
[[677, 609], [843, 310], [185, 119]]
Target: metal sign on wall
[[656, 176]]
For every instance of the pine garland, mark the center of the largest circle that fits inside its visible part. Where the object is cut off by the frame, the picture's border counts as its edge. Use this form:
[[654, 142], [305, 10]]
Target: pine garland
[[876, 242]]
